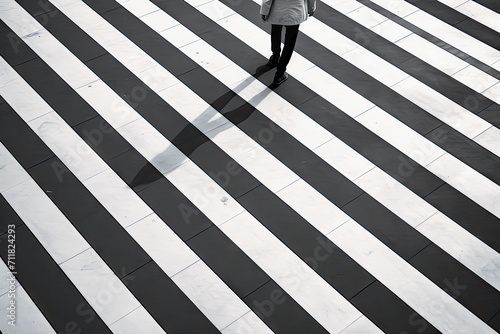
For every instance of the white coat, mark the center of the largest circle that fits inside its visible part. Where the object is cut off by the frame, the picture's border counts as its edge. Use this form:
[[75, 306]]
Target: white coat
[[287, 12]]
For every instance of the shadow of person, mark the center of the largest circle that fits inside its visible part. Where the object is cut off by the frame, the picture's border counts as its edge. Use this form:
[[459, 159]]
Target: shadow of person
[[190, 137]]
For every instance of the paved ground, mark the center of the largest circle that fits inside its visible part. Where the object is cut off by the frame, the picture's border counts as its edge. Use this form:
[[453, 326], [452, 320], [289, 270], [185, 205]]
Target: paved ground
[[153, 180]]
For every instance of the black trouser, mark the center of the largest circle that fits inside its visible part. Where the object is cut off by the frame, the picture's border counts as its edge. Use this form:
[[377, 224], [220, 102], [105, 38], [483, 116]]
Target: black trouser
[[290, 39]]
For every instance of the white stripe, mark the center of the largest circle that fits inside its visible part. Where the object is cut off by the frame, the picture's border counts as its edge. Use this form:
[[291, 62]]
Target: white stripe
[[293, 275], [348, 6], [456, 3], [26, 317], [190, 183], [380, 185], [13, 176], [242, 227], [443, 31], [477, 12]]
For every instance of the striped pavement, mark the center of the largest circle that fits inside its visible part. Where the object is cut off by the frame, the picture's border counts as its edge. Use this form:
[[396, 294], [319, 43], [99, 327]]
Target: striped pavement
[[153, 180]]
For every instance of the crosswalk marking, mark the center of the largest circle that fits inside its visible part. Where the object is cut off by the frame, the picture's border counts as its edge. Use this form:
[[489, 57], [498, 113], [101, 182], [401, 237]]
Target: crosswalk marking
[[226, 149], [399, 204], [438, 28], [477, 12], [320, 287], [429, 52], [435, 104], [214, 214], [64, 243], [203, 283], [431, 304], [230, 304], [57, 237], [315, 77], [26, 317]]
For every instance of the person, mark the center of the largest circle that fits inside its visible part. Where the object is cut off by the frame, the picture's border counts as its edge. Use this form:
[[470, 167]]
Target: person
[[290, 14]]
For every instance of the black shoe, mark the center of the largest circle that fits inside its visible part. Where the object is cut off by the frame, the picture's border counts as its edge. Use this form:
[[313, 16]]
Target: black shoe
[[273, 61], [278, 80]]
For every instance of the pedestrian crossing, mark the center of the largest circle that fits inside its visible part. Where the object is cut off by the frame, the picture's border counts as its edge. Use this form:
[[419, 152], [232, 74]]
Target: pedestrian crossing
[[158, 183]]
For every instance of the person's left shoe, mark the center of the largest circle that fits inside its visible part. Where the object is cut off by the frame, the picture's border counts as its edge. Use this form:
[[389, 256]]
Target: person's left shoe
[[279, 79]]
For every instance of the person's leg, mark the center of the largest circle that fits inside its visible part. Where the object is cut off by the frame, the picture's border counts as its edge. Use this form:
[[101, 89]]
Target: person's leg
[[290, 40], [276, 42]]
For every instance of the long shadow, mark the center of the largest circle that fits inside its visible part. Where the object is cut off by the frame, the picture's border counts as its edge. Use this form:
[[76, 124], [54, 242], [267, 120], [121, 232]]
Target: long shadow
[[190, 137]]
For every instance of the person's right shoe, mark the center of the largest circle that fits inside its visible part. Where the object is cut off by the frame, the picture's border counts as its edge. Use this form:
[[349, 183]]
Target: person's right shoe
[[273, 61], [280, 78]]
